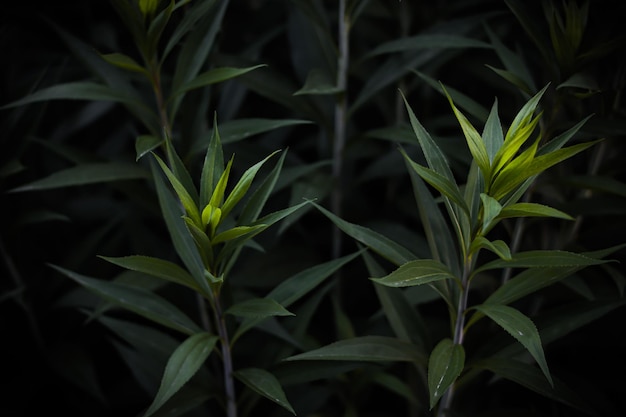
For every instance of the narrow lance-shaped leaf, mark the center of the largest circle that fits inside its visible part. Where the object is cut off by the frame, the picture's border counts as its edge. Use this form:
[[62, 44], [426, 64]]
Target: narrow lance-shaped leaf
[[498, 247], [380, 244], [264, 383], [156, 267], [444, 366], [493, 137], [447, 188], [139, 301], [521, 328], [542, 259], [213, 76], [186, 199], [417, 272], [243, 185], [213, 166], [258, 308], [532, 210], [474, 140], [366, 349], [491, 210], [182, 365], [182, 240]]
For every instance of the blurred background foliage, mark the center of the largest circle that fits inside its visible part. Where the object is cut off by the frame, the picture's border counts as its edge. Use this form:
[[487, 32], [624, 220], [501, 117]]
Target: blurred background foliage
[[60, 356]]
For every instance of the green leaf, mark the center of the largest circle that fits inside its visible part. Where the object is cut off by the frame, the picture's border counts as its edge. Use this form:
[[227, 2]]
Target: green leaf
[[145, 144], [491, 210], [237, 232], [257, 200], [89, 173], [544, 161], [442, 184], [197, 11], [139, 301], [365, 349], [182, 240], [417, 272], [532, 210], [156, 267], [434, 156], [474, 140], [297, 286], [264, 383], [424, 41], [213, 76], [380, 244], [498, 247], [258, 308], [530, 377], [521, 328], [185, 198], [125, 62], [318, 83], [444, 366], [512, 78], [182, 365], [242, 186], [493, 137], [542, 259], [212, 167]]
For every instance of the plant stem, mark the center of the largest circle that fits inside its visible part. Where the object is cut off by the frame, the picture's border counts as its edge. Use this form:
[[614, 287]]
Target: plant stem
[[227, 361], [340, 120], [459, 325]]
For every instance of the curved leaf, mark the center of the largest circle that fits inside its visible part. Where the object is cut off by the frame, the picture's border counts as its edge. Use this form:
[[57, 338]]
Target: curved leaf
[[213, 76], [142, 302], [542, 259], [258, 308], [417, 272], [521, 328], [264, 383], [365, 349], [444, 366], [87, 174], [182, 365]]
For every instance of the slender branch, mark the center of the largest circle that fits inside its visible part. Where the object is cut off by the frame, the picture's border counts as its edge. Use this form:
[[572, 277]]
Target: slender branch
[[227, 361], [459, 333], [340, 120]]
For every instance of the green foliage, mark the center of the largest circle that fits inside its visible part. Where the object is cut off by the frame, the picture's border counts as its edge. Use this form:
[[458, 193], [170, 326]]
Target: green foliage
[[197, 191]]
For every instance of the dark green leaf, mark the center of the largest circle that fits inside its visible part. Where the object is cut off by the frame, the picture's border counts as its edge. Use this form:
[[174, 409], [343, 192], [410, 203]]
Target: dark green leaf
[[87, 174], [444, 366], [258, 308], [139, 301], [365, 349], [264, 383], [542, 259], [521, 328], [417, 272], [182, 365], [318, 83], [213, 76], [423, 41], [145, 144]]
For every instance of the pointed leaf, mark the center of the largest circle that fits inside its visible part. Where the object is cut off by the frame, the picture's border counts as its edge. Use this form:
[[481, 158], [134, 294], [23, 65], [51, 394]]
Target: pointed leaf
[[182, 365], [435, 40], [318, 83], [182, 240], [442, 184], [142, 302], [542, 259], [365, 349], [145, 144], [213, 76], [491, 210], [444, 366], [125, 62], [493, 137], [532, 210], [498, 247], [156, 267], [89, 173], [185, 198], [237, 232], [258, 308], [242, 186], [417, 272], [264, 383], [213, 166], [380, 244], [521, 328]]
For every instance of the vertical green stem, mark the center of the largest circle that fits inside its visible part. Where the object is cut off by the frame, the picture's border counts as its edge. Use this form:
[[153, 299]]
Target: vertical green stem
[[227, 361], [340, 120], [459, 332]]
